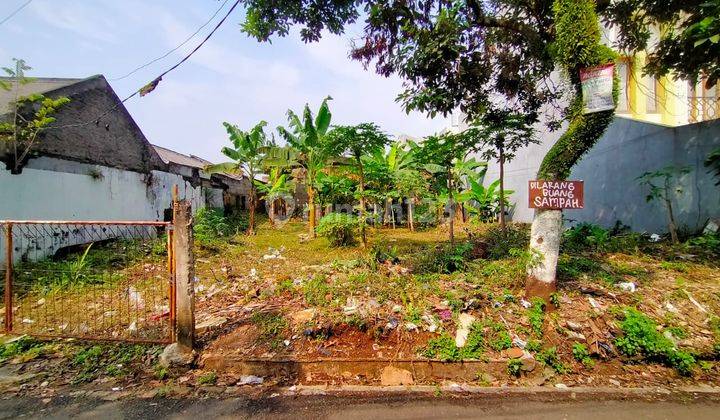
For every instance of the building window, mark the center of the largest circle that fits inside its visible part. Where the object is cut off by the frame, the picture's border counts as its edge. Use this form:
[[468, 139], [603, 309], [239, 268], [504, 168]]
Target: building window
[[623, 69], [651, 92]]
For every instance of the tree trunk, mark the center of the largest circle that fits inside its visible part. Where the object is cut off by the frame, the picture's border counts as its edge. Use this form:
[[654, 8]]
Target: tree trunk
[[672, 227], [388, 210], [363, 235], [251, 222], [545, 249], [452, 208], [410, 215], [375, 214], [311, 212], [501, 160]]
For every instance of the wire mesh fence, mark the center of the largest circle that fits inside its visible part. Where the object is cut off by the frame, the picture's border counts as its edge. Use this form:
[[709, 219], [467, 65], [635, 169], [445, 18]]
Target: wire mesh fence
[[89, 280]]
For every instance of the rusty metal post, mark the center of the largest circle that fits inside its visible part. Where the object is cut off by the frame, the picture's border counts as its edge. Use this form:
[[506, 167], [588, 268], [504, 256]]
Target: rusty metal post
[[184, 274], [8, 277]]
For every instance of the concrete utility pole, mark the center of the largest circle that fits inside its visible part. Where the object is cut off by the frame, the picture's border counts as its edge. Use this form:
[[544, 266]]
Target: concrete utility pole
[[184, 274]]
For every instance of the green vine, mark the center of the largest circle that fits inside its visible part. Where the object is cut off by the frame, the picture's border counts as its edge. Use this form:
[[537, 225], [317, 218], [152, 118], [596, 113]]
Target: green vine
[[577, 45]]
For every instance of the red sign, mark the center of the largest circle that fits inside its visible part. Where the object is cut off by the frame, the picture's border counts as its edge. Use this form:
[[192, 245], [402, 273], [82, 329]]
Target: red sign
[[556, 194]]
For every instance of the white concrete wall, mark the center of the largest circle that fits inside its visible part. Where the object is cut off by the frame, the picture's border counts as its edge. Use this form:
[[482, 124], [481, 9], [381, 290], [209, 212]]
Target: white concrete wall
[[55, 189]]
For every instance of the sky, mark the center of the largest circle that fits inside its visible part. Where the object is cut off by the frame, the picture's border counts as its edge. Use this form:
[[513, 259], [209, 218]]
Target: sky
[[231, 78]]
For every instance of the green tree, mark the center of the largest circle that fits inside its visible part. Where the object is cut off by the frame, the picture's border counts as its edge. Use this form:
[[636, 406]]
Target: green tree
[[445, 157], [360, 140], [689, 35], [503, 133], [278, 185], [713, 162], [463, 55], [398, 158], [247, 153], [309, 148], [663, 186], [410, 184], [29, 116], [334, 188]]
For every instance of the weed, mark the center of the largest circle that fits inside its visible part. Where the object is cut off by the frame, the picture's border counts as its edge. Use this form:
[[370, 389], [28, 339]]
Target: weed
[[270, 325], [209, 378], [483, 379], [110, 360], [674, 266], [161, 372], [444, 348], [500, 242], [533, 345], [381, 252], [25, 347], [582, 355], [498, 337], [549, 357], [211, 226], [678, 332], [443, 259], [641, 337], [573, 267], [316, 290], [706, 366], [412, 314], [338, 228], [514, 367], [555, 299], [536, 316]]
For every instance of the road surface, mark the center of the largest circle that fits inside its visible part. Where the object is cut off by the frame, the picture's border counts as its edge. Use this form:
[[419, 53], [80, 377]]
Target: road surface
[[396, 407]]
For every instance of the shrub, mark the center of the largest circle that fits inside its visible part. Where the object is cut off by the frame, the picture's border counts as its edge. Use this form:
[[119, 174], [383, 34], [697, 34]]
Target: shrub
[[514, 367], [549, 357], [444, 347], [582, 355], [210, 225], [536, 316], [338, 228], [591, 237], [500, 242], [641, 337], [442, 259], [381, 252]]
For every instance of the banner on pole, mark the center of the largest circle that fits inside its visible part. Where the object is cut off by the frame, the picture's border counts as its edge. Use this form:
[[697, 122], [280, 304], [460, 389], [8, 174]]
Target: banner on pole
[[597, 86]]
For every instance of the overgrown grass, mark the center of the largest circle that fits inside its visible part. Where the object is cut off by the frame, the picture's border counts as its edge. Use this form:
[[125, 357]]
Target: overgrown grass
[[642, 338]]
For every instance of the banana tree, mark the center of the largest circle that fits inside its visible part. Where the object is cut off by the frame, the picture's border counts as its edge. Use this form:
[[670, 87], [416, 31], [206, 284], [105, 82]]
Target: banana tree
[[397, 159], [308, 148], [485, 202], [247, 154], [277, 185], [359, 141], [444, 156]]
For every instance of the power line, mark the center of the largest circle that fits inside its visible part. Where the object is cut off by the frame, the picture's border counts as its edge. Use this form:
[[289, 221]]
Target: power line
[[15, 12], [176, 48], [153, 84]]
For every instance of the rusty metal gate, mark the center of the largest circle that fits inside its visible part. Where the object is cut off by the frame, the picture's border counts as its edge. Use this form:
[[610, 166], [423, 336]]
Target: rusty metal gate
[[97, 280]]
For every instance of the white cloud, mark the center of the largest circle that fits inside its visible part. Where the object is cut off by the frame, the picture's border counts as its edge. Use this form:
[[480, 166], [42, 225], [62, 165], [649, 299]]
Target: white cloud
[[81, 20]]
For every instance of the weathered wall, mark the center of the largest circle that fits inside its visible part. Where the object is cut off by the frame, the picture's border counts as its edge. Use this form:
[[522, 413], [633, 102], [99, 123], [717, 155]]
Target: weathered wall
[[627, 150], [55, 189]]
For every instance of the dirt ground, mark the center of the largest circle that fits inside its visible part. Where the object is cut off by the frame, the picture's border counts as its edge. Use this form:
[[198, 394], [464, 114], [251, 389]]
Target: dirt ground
[[276, 296]]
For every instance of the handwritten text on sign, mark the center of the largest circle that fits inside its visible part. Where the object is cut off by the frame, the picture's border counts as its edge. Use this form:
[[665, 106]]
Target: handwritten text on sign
[[556, 194]]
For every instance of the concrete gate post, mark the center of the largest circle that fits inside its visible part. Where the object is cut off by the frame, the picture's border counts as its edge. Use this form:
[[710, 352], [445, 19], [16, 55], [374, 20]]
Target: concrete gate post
[[184, 274]]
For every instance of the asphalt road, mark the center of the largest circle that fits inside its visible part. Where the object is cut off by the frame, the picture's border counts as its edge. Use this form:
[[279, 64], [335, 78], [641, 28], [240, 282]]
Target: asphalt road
[[348, 408]]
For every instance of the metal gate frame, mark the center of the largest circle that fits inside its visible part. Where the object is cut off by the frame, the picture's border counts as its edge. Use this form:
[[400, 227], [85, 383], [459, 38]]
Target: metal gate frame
[[172, 287]]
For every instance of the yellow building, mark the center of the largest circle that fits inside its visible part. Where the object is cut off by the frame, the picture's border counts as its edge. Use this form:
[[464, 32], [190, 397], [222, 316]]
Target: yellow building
[[667, 101]]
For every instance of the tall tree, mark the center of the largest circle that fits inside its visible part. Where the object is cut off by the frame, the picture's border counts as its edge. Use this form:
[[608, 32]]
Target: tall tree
[[445, 156], [309, 148], [29, 116], [503, 133], [398, 158], [247, 153], [360, 140], [465, 55], [688, 35]]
